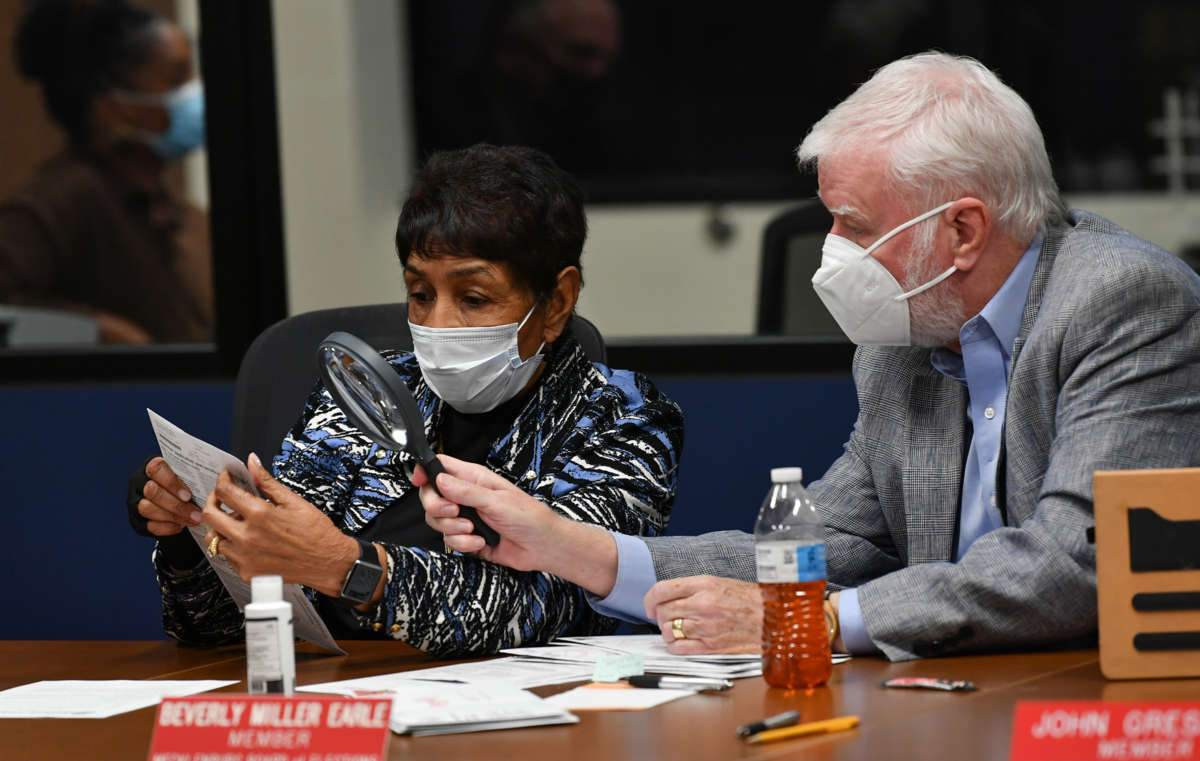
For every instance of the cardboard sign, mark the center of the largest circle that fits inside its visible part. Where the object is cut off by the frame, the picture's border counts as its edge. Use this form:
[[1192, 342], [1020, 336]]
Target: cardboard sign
[[1148, 572], [270, 728], [1095, 730]]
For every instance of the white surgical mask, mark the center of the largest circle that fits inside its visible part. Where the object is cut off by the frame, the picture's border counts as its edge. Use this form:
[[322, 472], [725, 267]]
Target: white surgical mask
[[870, 306], [474, 369]]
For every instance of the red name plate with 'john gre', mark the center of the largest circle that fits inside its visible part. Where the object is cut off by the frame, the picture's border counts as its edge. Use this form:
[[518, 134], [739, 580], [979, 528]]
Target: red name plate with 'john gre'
[[271, 728], [1096, 730]]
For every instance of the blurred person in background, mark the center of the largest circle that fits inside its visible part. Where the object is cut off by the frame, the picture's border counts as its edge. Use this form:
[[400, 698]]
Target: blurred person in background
[[97, 230]]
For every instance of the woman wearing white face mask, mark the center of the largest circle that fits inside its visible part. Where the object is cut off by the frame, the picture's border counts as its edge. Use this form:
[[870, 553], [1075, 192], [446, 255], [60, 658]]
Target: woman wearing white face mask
[[490, 240], [97, 230]]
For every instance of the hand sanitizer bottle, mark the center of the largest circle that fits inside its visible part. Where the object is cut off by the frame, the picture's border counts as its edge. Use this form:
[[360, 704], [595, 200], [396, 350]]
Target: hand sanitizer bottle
[[270, 644]]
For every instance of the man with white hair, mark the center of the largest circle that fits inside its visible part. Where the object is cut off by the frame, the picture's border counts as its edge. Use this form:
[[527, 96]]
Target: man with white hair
[[1008, 349]]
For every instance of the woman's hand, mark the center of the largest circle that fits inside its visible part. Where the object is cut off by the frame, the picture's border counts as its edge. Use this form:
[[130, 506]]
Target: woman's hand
[[282, 535], [716, 615], [166, 502], [532, 536], [526, 526]]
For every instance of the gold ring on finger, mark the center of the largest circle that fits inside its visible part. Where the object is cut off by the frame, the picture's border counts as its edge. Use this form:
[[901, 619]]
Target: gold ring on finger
[[212, 546], [677, 628]]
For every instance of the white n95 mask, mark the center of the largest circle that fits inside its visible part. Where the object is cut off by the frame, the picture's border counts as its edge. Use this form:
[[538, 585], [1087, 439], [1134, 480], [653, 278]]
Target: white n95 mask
[[870, 306], [474, 369]]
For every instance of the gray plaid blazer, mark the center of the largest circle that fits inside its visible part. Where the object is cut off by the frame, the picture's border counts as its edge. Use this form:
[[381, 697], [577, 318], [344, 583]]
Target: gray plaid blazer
[[1105, 375]]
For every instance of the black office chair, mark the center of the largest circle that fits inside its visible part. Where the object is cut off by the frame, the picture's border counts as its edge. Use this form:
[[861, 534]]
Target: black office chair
[[791, 253], [279, 369]]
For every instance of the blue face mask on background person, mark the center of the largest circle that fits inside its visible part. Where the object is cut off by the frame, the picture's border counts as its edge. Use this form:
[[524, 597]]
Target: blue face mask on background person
[[185, 113], [474, 369], [869, 305]]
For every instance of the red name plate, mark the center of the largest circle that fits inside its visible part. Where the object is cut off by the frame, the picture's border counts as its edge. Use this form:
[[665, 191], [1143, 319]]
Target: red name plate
[[1095, 730], [271, 728]]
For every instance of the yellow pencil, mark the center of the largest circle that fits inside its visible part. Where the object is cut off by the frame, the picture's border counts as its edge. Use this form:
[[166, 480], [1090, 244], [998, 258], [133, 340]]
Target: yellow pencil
[[811, 728]]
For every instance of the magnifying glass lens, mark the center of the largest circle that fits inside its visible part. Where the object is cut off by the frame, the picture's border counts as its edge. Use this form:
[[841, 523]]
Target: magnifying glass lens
[[366, 404], [376, 401]]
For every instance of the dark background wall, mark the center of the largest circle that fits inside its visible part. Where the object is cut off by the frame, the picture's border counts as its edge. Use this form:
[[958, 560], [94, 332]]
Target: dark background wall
[[76, 571]]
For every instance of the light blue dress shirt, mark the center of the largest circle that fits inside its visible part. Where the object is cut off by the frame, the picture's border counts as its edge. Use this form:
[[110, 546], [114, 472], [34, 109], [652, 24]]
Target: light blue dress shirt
[[635, 576], [987, 341]]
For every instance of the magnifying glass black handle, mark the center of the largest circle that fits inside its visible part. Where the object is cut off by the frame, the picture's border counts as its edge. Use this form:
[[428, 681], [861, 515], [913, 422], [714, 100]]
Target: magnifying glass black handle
[[433, 466]]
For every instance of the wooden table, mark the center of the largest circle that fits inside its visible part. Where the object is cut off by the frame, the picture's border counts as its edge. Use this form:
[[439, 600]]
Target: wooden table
[[896, 724]]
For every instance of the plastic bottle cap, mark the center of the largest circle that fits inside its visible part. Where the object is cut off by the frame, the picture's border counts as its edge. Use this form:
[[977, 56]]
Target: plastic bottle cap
[[786, 475], [266, 589]]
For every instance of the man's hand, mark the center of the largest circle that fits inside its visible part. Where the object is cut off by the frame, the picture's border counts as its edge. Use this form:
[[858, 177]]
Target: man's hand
[[283, 535], [532, 536], [838, 645], [718, 615], [166, 502]]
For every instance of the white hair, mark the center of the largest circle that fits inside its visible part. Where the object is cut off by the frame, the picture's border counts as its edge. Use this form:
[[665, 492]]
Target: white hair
[[935, 316], [949, 128]]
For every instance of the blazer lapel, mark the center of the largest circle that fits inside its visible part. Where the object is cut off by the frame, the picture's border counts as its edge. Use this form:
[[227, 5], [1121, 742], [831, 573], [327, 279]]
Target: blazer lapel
[[934, 459], [1037, 288], [1033, 303]]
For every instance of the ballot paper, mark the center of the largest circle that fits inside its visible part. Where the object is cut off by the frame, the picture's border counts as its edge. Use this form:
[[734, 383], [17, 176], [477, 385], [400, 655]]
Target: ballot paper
[[438, 708], [516, 672], [198, 464], [93, 699]]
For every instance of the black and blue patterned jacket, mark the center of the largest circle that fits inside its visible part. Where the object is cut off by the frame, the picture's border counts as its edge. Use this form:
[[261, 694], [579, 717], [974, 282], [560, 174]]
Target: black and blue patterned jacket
[[595, 444]]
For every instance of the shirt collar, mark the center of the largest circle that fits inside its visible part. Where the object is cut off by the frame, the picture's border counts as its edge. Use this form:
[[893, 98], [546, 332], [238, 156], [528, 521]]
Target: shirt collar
[[1002, 314], [1004, 311]]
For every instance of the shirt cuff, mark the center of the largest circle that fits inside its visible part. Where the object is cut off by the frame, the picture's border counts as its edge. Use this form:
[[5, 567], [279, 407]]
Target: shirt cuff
[[850, 621], [635, 576]]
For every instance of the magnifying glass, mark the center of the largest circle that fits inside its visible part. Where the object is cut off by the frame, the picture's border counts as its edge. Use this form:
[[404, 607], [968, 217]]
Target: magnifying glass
[[378, 403]]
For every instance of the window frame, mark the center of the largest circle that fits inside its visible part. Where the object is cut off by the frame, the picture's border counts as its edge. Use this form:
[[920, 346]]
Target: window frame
[[237, 64]]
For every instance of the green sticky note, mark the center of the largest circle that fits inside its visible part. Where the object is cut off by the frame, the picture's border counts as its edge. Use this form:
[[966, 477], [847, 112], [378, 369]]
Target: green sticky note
[[614, 668]]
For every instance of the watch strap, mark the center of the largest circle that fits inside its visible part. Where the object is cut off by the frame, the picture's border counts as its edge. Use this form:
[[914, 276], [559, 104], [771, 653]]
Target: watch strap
[[367, 553], [367, 565], [831, 622]]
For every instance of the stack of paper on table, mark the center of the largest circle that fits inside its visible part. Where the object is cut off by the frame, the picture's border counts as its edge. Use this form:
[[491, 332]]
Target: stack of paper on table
[[515, 672], [655, 657], [438, 708], [469, 697]]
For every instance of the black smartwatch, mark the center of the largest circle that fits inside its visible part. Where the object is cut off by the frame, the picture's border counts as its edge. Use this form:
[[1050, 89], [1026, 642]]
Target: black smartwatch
[[364, 575]]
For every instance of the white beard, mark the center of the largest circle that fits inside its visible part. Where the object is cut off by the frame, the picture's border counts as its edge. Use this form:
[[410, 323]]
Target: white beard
[[935, 316]]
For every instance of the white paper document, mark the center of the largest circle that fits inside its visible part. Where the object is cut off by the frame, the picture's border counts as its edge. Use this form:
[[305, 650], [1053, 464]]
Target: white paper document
[[655, 658], [653, 650], [199, 464], [614, 698], [436, 708], [516, 672], [652, 646], [93, 699]]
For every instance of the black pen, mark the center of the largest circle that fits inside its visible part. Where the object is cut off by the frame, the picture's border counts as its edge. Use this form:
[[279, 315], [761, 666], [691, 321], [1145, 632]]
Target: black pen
[[679, 682], [785, 719]]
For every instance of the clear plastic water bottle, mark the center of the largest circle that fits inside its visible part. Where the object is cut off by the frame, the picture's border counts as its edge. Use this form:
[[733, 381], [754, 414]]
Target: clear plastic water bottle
[[789, 540]]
